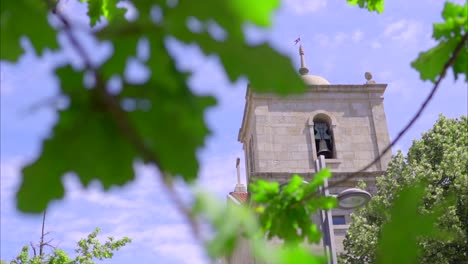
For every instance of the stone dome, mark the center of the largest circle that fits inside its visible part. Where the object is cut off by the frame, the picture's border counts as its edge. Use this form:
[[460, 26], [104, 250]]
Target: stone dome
[[314, 80], [303, 70]]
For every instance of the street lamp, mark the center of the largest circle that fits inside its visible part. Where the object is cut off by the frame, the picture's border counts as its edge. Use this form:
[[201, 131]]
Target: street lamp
[[352, 198], [348, 199]]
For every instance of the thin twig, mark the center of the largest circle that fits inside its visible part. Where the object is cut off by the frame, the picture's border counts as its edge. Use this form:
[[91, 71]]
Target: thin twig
[[74, 41], [41, 243], [180, 204], [33, 248], [49, 245]]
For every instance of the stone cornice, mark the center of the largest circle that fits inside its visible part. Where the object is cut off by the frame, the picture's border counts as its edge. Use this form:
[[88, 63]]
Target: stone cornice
[[337, 176], [314, 92]]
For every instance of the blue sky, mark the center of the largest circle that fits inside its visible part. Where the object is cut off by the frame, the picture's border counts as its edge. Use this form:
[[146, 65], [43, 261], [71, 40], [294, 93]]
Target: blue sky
[[340, 42]]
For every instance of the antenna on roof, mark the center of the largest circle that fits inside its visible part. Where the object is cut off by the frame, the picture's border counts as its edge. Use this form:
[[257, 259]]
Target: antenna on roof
[[239, 186], [303, 70], [238, 170]]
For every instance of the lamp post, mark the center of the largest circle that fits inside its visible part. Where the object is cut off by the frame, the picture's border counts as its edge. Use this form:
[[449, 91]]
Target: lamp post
[[348, 199]]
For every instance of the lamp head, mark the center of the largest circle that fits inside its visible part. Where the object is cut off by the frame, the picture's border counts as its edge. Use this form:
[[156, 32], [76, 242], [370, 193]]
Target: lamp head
[[352, 198]]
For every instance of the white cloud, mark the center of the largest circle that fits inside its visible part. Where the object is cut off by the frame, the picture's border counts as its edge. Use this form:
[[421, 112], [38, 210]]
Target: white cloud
[[182, 252], [139, 210], [218, 173], [339, 38], [322, 39], [6, 86], [9, 175], [332, 40], [375, 44], [357, 35], [403, 30], [100, 198], [329, 65], [301, 7], [154, 235], [394, 27], [400, 87], [383, 76]]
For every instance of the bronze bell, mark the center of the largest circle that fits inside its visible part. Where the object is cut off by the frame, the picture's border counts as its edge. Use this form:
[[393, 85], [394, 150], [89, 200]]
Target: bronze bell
[[323, 149]]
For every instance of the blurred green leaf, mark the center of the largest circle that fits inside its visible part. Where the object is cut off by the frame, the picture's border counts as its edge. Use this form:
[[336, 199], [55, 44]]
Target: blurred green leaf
[[175, 146], [263, 190], [399, 236], [253, 62], [293, 187], [231, 223], [106, 156], [299, 255], [258, 14], [26, 18], [371, 5], [95, 11], [430, 63], [287, 212], [449, 34], [319, 178], [103, 8]]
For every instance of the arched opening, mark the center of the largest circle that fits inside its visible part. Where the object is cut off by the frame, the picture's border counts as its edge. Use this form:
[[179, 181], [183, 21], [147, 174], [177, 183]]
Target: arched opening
[[323, 135]]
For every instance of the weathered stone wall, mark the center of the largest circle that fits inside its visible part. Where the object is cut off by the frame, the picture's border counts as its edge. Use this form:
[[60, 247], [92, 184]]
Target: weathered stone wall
[[282, 128], [282, 133]]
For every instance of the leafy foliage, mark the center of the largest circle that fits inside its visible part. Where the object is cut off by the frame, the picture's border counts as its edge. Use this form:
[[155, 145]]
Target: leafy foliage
[[88, 250], [228, 222], [236, 226], [449, 34], [400, 235], [16, 20], [85, 120], [420, 205], [282, 213], [103, 8], [90, 247], [132, 123], [371, 5]]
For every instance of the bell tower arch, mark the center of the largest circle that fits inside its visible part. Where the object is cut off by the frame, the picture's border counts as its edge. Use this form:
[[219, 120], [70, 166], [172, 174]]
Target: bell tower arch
[[282, 136]]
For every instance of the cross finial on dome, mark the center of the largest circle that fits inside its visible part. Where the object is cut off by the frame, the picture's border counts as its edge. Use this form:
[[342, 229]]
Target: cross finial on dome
[[240, 188], [303, 70]]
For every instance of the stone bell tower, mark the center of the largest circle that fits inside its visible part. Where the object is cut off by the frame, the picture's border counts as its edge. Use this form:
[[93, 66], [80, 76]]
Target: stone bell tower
[[346, 123]]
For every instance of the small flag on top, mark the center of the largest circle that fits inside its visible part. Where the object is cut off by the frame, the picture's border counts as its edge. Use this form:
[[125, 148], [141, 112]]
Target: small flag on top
[[297, 40]]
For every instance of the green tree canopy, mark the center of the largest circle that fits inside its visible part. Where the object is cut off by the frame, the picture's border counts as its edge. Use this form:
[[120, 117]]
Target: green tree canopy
[[88, 250], [439, 162]]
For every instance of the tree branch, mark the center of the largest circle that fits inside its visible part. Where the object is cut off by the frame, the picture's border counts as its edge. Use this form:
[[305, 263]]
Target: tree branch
[[121, 119], [41, 243], [33, 248]]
